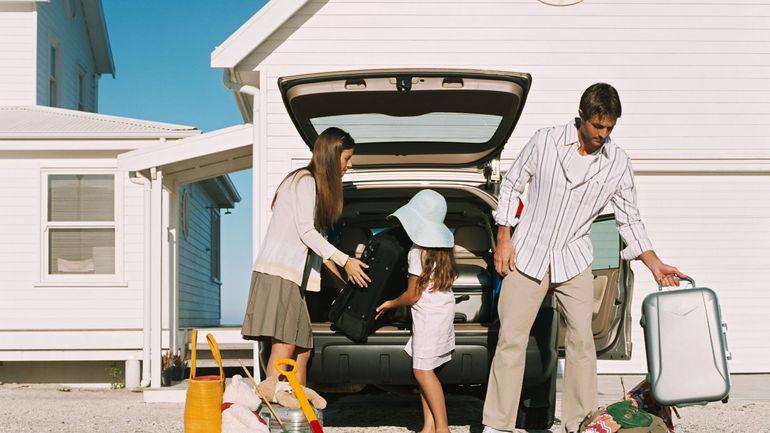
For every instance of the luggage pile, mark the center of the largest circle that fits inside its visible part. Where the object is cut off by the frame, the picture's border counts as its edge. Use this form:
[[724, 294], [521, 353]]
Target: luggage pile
[[636, 413], [687, 355]]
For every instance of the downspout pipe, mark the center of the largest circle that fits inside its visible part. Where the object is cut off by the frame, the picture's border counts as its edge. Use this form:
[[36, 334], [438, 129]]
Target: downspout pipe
[[146, 324], [258, 183]]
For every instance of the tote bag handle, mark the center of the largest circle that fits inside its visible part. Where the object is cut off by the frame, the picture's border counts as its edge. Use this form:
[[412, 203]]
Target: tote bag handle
[[203, 401], [214, 351]]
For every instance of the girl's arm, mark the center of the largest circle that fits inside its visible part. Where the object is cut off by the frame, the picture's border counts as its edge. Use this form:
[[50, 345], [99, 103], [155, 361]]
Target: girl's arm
[[408, 298]]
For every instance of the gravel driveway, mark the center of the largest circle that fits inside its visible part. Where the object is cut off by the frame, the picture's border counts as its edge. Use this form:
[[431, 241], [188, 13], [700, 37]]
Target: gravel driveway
[[47, 408]]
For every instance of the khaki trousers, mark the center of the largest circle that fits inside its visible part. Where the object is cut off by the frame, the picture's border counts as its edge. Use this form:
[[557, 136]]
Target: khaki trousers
[[520, 299]]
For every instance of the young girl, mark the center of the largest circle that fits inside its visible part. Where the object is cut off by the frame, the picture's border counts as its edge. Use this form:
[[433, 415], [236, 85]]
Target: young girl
[[432, 270], [308, 201]]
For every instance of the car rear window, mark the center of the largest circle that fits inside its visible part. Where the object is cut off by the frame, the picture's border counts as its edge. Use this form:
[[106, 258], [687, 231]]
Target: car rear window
[[429, 127]]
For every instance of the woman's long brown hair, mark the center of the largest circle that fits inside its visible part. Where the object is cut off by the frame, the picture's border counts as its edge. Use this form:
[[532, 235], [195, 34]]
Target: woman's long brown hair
[[438, 265], [327, 172]]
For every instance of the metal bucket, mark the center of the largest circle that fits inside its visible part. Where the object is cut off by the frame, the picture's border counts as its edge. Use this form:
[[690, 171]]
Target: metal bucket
[[294, 420]]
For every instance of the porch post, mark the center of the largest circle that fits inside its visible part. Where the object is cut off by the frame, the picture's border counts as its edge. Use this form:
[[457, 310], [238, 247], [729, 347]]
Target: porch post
[[259, 180], [156, 276]]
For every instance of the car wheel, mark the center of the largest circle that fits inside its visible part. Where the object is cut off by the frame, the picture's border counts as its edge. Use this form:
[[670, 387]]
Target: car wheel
[[538, 405]]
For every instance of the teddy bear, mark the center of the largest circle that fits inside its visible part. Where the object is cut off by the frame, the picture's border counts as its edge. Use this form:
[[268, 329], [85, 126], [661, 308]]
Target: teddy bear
[[281, 393], [239, 407]]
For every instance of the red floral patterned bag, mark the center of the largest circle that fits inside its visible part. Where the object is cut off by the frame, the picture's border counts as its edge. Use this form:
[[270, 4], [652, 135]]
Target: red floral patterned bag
[[642, 395]]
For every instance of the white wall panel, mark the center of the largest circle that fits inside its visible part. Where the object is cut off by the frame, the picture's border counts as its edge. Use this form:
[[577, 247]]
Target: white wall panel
[[717, 230]]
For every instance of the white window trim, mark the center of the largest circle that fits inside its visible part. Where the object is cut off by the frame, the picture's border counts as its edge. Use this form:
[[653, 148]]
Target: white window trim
[[116, 279]]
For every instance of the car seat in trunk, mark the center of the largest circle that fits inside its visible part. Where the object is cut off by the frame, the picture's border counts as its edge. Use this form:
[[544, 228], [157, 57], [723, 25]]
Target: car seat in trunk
[[473, 287]]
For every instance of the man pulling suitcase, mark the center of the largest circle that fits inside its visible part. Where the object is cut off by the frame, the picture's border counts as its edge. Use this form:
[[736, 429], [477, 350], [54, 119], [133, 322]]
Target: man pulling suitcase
[[573, 172]]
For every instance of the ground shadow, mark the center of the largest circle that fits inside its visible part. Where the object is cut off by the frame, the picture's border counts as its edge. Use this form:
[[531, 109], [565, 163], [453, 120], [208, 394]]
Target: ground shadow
[[376, 408]]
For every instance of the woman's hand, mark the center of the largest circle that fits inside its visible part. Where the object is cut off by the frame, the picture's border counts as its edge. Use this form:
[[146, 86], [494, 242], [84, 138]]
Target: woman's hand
[[355, 270], [382, 309]]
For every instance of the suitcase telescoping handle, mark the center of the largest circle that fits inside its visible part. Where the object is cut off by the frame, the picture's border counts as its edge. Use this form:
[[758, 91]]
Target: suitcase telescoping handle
[[688, 279]]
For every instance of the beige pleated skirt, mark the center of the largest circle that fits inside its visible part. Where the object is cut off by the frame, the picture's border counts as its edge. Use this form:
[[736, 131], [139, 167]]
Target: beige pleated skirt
[[276, 309]]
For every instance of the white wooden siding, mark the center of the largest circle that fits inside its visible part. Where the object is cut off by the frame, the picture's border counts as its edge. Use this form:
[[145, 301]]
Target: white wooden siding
[[717, 230], [37, 312], [75, 55], [17, 54], [199, 296], [692, 76]]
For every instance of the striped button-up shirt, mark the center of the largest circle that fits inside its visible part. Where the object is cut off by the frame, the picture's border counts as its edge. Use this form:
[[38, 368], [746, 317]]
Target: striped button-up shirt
[[556, 221]]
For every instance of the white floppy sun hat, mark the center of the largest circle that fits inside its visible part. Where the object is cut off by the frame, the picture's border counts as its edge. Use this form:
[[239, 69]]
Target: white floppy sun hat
[[423, 220]]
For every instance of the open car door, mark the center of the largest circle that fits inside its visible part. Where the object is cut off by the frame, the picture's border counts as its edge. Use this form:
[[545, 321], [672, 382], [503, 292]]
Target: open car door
[[613, 290]]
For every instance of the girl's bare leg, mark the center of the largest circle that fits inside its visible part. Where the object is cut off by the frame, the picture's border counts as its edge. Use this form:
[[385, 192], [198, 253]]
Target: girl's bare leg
[[428, 426], [431, 388]]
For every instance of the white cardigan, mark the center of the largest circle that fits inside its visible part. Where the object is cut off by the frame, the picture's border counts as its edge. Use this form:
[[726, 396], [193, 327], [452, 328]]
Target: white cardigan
[[292, 231]]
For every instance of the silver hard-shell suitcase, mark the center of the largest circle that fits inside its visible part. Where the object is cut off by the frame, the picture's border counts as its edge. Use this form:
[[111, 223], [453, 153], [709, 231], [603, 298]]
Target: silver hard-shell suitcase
[[686, 343]]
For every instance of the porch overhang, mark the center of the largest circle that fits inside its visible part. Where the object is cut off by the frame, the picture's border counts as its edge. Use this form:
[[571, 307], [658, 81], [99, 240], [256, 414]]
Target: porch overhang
[[193, 159]]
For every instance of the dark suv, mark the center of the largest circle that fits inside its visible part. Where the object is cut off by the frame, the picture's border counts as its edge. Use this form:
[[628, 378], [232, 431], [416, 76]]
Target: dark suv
[[444, 130]]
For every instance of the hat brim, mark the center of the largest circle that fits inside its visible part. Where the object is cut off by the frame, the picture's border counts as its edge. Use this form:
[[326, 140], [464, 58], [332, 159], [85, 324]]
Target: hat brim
[[423, 232]]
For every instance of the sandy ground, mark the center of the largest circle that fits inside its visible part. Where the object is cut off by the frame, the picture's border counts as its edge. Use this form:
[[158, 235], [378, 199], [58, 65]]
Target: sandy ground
[[47, 408]]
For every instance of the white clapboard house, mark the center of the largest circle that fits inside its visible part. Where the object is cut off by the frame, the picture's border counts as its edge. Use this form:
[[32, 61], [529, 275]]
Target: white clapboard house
[[692, 75], [79, 294]]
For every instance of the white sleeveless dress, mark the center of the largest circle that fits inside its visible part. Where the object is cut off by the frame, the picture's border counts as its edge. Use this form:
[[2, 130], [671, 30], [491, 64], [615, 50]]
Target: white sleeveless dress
[[433, 334]]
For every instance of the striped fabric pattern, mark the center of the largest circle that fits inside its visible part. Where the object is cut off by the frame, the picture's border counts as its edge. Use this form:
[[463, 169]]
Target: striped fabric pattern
[[556, 221]]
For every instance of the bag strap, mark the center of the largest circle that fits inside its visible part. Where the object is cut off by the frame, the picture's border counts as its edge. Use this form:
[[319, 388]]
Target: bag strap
[[215, 351], [194, 347]]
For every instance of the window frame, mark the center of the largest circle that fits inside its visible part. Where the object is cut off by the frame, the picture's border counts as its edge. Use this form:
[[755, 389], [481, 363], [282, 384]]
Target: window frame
[[117, 224]]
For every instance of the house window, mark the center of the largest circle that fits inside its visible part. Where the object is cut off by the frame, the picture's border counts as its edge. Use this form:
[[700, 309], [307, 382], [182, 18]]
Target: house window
[[81, 90], [80, 224], [53, 73], [185, 213], [215, 246]]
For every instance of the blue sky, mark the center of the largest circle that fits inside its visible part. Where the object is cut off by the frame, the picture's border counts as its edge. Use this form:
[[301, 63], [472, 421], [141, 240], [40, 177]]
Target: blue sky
[[162, 54]]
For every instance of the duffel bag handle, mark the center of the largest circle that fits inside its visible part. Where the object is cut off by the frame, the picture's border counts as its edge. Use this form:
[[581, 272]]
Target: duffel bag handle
[[688, 279]]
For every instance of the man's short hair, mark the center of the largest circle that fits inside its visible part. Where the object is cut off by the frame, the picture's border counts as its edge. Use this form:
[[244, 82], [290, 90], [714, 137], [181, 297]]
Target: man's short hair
[[601, 100]]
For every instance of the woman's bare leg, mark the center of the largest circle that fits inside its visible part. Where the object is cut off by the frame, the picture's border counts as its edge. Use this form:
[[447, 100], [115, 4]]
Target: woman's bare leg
[[303, 357], [279, 350]]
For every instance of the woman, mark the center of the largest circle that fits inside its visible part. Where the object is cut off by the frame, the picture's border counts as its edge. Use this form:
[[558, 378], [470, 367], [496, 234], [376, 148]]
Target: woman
[[308, 201]]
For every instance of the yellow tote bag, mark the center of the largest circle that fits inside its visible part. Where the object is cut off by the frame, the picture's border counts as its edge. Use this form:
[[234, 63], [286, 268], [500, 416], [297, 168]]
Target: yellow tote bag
[[203, 405]]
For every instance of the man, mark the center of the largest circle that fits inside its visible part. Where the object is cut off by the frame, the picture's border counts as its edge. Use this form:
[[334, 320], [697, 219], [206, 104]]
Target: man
[[573, 171]]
